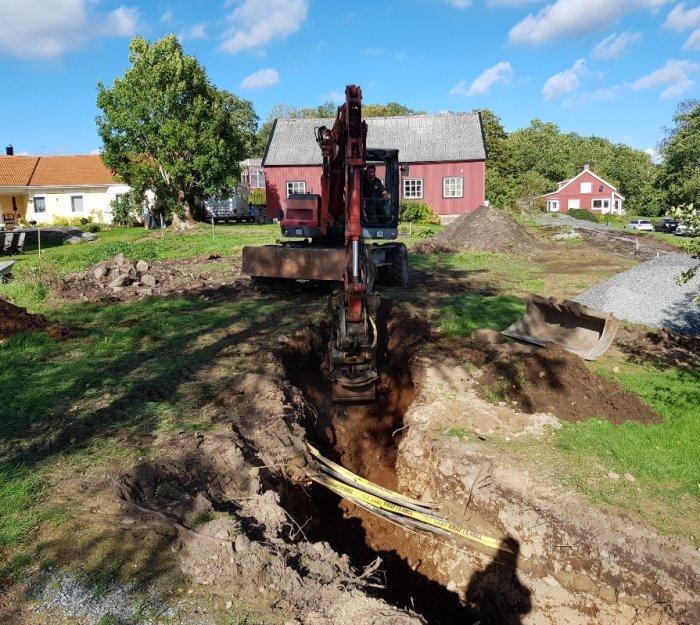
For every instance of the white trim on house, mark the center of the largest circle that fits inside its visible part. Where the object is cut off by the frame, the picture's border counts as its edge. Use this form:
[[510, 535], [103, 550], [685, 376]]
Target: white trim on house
[[573, 203]]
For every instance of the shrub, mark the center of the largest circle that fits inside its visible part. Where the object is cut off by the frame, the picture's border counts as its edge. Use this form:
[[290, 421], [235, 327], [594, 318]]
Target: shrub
[[581, 213], [417, 212], [91, 227], [126, 210]]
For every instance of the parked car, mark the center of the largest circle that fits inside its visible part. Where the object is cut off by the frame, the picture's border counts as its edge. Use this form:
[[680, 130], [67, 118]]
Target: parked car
[[686, 231], [640, 224], [666, 225]]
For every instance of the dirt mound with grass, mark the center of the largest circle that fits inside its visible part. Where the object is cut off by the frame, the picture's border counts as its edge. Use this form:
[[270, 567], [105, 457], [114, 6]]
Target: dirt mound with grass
[[14, 320], [485, 229]]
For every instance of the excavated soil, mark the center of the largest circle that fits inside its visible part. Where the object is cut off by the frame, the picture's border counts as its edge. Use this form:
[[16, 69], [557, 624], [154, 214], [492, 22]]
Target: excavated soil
[[485, 229], [14, 319], [235, 509]]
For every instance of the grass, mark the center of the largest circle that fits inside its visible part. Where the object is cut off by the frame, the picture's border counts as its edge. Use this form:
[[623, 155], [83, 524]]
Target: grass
[[135, 368]]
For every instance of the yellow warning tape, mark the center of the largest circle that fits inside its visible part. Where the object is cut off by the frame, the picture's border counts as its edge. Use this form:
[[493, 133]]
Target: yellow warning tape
[[350, 492], [364, 484]]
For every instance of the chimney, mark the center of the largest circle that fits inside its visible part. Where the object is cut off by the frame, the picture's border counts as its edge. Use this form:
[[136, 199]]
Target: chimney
[[586, 166], [9, 150]]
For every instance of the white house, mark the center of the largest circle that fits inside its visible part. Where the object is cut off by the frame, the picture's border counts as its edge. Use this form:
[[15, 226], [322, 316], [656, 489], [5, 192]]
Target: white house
[[39, 188]]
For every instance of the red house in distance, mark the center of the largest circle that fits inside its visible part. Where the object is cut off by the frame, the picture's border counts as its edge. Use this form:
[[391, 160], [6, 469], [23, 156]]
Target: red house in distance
[[587, 191]]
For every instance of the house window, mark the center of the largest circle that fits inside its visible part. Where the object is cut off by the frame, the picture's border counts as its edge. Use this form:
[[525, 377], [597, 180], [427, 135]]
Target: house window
[[586, 187], [76, 203], [573, 203], [452, 187], [39, 204], [553, 206], [413, 188], [257, 179], [295, 186], [599, 205]]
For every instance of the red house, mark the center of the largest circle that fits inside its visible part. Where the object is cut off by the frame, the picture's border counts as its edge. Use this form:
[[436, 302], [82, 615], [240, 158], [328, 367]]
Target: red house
[[586, 191], [445, 154]]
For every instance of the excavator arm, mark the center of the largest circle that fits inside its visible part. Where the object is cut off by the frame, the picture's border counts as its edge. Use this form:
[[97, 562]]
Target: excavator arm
[[353, 368]]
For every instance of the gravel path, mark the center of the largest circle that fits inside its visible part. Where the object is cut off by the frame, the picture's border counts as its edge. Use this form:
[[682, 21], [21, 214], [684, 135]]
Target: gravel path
[[649, 294]]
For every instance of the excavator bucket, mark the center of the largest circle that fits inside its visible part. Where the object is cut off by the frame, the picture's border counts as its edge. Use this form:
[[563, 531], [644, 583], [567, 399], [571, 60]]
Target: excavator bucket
[[294, 262], [577, 328]]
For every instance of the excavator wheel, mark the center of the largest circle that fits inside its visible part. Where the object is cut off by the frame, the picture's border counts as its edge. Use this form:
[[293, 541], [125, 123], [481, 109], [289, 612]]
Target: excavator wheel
[[396, 272]]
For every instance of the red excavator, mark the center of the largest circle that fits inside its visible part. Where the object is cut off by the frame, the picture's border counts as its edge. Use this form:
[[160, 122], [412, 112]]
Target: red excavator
[[332, 232]]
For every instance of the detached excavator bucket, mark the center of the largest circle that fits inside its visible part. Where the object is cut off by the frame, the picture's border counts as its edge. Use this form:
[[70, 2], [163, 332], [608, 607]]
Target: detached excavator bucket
[[577, 328], [294, 262]]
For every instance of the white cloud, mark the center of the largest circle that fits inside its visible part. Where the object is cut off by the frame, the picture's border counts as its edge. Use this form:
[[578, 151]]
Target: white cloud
[[679, 19], [655, 156], [582, 100], [374, 51], [42, 29], [333, 96], [693, 42], [121, 22], [262, 79], [167, 17], [573, 18], [499, 73], [257, 22], [196, 31], [613, 46], [460, 4], [676, 74], [564, 82], [48, 29]]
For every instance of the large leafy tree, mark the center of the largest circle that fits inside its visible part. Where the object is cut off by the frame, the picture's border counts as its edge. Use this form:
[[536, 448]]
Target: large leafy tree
[[164, 126], [680, 149]]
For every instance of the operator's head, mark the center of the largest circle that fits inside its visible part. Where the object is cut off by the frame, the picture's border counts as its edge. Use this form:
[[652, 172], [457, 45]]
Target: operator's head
[[371, 171]]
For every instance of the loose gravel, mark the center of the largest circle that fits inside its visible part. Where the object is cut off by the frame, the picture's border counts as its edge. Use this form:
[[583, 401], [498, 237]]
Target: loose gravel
[[65, 595], [649, 294]]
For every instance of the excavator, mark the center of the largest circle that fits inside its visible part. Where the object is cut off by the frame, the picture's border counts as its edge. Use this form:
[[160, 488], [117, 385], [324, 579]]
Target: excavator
[[332, 236]]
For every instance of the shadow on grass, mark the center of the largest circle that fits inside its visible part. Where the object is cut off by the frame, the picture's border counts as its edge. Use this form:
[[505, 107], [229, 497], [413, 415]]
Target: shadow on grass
[[58, 396]]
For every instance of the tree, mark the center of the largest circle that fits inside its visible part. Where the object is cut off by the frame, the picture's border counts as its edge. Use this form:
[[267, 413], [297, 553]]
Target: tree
[[501, 187], [680, 149], [165, 127]]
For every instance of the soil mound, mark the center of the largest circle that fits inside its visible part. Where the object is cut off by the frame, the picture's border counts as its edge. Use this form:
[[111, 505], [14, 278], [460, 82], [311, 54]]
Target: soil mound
[[14, 320], [485, 229]]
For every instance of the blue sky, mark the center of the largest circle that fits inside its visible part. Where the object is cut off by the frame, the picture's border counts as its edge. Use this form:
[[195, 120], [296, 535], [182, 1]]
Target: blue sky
[[612, 68]]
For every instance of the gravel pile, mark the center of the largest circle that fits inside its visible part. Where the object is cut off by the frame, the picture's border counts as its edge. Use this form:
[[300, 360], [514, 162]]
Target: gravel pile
[[649, 294], [121, 604]]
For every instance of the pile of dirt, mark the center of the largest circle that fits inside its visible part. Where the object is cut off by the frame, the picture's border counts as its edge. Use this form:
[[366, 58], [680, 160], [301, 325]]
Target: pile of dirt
[[552, 380], [121, 279], [14, 319], [485, 229]]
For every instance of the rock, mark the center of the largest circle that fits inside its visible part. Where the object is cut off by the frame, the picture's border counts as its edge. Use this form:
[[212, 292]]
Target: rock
[[73, 240], [417, 452], [142, 266], [148, 279], [145, 292], [629, 477], [88, 236], [242, 543], [119, 281], [613, 476], [119, 260], [489, 337], [200, 505], [451, 586], [100, 271]]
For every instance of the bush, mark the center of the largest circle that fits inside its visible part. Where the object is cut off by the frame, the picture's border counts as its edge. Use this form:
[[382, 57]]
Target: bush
[[581, 213], [417, 212], [91, 227], [126, 211]]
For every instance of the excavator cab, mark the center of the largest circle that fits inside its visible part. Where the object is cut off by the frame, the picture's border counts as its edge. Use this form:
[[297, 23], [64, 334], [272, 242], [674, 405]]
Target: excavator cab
[[380, 215]]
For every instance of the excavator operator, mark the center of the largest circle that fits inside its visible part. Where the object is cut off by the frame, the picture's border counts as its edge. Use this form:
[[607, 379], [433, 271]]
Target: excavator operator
[[372, 187]]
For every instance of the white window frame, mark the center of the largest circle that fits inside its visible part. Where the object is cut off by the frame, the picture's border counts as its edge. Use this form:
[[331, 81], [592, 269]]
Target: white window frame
[[573, 203], [586, 187], [76, 204], [295, 186], [604, 204], [451, 188], [553, 206], [39, 199], [256, 177], [413, 188]]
